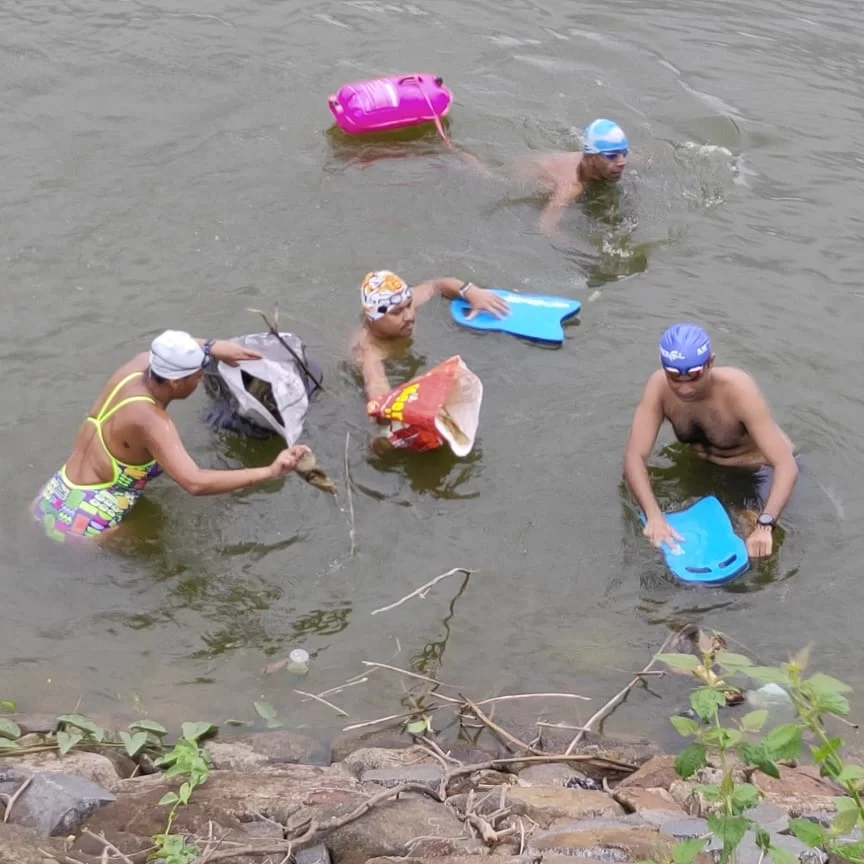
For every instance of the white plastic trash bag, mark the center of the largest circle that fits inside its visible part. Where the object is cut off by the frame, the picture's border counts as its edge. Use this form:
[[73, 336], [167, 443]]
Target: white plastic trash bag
[[259, 398]]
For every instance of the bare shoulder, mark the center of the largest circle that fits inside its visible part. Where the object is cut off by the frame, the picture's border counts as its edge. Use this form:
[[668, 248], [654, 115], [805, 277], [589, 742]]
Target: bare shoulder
[[736, 381], [553, 164], [655, 386], [364, 347]]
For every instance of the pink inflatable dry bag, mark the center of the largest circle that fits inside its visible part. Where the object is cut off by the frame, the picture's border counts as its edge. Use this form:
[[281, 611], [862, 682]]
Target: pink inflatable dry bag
[[380, 104]]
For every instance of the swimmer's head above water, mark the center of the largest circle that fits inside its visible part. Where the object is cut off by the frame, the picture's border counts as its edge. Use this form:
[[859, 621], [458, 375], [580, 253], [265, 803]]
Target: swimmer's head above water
[[388, 304], [177, 361], [605, 148], [686, 358]]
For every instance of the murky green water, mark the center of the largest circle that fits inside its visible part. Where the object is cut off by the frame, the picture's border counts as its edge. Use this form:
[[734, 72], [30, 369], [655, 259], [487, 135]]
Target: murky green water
[[170, 166]]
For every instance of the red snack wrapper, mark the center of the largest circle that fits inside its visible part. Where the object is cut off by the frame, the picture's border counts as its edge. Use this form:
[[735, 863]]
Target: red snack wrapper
[[440, 406]]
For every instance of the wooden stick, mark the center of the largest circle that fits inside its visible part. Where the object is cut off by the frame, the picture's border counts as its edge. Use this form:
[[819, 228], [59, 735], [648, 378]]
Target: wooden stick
[[533, 696], [501, 733], [341, 687], [17, 794], [379, 720], [601, 761], [109, 847], [350, 497], [423, 590], [273, 328], [562, 726], [336, 708], [414, 675], [619, 697]]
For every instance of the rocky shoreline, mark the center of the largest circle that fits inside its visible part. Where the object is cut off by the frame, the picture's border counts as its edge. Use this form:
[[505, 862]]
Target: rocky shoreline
[[386, 799]]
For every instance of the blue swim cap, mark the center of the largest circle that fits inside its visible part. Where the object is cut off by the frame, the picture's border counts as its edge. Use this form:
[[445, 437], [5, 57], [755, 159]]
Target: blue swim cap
[[604, 136], [684, 347]]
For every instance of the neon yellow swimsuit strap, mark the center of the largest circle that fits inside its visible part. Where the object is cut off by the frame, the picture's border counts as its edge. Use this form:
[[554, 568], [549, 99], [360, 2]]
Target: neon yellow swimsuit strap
[[105, 412]]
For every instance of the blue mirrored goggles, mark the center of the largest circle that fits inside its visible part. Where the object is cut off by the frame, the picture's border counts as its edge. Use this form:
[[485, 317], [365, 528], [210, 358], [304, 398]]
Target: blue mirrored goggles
[[612, 155]]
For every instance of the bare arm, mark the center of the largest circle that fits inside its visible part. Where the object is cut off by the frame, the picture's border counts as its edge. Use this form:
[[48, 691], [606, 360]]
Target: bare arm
[[481, 299], [163, 442], [774, 445], [647, 420], [562, 197], [368, 359]]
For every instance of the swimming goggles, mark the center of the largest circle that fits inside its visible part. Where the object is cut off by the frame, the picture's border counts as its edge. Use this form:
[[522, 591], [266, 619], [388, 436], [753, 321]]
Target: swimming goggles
[[612, 155], [378, 307], [693, 372]]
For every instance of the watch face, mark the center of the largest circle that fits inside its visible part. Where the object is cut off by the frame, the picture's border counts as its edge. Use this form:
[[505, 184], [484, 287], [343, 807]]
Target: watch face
[[765, 519]]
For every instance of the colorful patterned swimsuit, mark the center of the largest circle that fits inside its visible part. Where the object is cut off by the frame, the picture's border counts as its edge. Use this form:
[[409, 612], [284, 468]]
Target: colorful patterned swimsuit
[[69, 511]]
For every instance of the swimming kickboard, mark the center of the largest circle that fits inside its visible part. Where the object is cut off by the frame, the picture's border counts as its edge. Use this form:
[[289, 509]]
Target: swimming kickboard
[[711, 552], [532, 316]]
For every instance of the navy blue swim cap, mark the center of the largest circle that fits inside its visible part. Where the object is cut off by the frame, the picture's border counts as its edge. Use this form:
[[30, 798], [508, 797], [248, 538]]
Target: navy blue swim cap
[[684, 347]]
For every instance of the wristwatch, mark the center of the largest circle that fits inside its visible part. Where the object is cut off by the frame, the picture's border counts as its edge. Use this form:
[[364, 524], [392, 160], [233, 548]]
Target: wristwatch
[[765, 520], [207, 347]]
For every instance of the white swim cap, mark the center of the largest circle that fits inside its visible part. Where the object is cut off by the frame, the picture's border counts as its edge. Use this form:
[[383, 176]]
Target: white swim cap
[[175, 354]]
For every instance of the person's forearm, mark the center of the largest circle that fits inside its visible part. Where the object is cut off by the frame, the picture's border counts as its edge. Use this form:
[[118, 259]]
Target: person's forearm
[[448, 286], [639, 483], [782, 484], [213, 482]]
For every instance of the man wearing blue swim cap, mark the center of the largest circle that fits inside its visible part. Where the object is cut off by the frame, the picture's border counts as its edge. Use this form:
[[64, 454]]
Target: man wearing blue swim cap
[[722, 415], [605, 149]]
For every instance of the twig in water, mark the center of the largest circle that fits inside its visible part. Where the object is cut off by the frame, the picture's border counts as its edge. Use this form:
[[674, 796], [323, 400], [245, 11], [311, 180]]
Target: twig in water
[[350, 497], [562, 726], [407, 716], [273, 328], [503, 734], [16, 795], [521, 836], [108, 846], [341, 687], [336, 708], [533, 696], [423, 590], [619, 697], [415, 675]]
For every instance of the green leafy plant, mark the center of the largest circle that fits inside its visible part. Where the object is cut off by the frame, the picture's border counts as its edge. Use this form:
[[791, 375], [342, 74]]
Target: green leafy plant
[[80, 731], [188, 760], [812, 698]]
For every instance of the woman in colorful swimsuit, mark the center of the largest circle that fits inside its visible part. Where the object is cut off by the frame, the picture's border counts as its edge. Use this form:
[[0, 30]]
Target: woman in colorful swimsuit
[[128, 439]]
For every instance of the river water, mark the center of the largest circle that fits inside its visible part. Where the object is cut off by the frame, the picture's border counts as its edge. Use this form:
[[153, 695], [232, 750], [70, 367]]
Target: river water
[[172, 164]]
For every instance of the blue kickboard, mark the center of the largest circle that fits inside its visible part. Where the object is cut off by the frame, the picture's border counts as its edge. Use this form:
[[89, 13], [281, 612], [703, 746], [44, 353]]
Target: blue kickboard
[[711, 551], [532, 316]]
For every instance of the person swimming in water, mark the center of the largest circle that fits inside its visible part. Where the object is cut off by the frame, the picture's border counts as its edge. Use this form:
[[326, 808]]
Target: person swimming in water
[[564, 175], [390, 308], [128, 439], [722, 415]]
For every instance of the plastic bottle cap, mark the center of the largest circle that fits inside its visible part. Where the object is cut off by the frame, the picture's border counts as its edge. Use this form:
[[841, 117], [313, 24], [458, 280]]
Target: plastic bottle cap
[[299, 655]]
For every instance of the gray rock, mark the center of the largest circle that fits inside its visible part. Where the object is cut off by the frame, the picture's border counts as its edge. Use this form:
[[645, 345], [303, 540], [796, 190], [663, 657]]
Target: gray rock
[[772, 817], [369, 758], [252, 752], [425, 775], [749, 853], [553, 774], [683, 829], [96, 767], [53, 804], [22, 846], [261, 829], [318, 854]]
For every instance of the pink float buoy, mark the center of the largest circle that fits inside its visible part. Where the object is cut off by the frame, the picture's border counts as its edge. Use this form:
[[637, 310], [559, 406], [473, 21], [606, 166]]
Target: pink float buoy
[[393, 102]]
